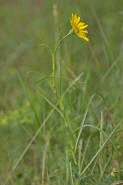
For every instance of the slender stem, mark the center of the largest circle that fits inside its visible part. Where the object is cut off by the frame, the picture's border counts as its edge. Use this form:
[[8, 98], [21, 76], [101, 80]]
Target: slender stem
[[69, 33], [54, 54], [53, 84]]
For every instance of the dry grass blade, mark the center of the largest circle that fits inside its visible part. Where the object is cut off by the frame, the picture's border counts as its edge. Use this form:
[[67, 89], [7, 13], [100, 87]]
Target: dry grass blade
[[119, 182], [44, 159], [101, 142], [28, 146]]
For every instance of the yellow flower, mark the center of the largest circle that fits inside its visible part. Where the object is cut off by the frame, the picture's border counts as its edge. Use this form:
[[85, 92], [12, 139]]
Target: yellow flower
[[79, 27]]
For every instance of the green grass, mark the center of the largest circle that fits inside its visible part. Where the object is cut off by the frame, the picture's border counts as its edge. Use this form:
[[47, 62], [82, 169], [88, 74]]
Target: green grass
[[75, 136]]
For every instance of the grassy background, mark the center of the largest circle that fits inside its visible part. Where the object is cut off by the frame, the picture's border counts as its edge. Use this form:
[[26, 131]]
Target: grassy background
[[24, 25]]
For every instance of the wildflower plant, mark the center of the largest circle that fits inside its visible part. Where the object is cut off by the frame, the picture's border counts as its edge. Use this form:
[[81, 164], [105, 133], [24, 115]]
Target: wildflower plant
[[79, 29]]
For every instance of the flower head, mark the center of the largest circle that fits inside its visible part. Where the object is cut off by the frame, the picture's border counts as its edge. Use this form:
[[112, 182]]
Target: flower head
[[79, 27]]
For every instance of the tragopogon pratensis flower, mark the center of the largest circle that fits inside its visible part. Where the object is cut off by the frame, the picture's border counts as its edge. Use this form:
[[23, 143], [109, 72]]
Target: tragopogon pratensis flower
[[79, 27]]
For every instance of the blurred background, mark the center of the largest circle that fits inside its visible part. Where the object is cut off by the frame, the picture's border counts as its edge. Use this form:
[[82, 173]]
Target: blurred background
[[24, 26]]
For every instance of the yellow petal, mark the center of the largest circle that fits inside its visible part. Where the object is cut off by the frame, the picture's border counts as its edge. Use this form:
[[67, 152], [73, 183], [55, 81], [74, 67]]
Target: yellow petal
[[72, 17], [85, 38], [78, 19], [81, 24], [83, 27], [71, 21], [83, 31], [75, 18]]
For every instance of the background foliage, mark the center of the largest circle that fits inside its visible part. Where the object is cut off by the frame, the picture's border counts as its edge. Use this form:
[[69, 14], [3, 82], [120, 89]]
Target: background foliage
[[24, 64]]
